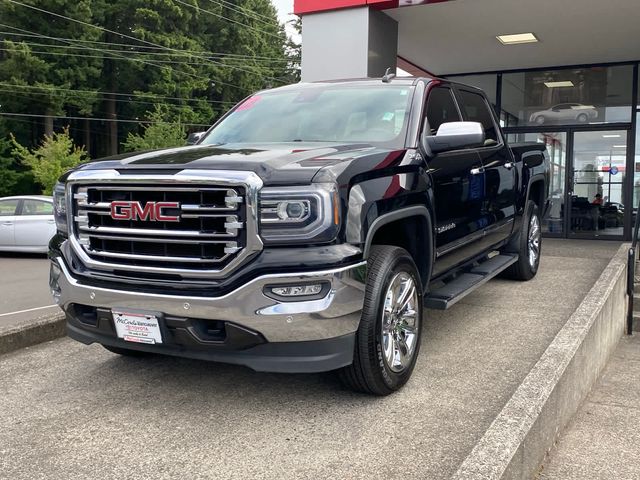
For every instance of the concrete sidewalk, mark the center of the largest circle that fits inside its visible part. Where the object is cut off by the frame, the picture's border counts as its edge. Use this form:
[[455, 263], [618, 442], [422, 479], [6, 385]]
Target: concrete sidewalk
[[602, 440]]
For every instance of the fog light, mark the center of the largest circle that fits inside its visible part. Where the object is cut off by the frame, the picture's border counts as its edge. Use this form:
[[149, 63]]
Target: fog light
[[297, 290]]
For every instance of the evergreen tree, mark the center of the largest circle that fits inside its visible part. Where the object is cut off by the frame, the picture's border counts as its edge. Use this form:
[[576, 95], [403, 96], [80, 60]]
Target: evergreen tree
[[116, 60], [54, 72]]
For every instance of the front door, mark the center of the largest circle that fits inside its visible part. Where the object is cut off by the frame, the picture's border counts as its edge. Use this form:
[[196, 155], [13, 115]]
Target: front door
[[7, 222], [596, 192], [459, 189], [35, 225]]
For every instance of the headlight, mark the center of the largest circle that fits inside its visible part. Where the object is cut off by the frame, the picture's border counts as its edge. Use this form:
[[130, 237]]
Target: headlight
[[299, 214], [60, 208]]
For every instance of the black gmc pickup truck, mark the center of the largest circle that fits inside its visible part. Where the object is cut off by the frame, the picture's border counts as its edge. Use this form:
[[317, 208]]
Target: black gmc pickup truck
[[307, 230]]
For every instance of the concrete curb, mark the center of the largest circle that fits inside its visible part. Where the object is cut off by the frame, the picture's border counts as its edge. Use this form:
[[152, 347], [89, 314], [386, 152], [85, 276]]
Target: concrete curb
[[515, 444], [43, 329]]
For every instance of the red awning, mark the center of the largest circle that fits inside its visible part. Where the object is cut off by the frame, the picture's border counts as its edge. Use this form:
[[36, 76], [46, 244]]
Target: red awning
[[300, 7]]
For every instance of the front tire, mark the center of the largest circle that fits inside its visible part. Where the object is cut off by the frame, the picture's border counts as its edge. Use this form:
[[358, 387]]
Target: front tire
[[528, 246], [390, 331]]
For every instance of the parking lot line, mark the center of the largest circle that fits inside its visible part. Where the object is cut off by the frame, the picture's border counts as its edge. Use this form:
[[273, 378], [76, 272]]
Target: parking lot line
[[25, 311]]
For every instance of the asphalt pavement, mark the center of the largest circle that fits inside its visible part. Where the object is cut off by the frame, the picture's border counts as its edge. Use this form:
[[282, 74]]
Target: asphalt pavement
[[73, 411], [24, 289]]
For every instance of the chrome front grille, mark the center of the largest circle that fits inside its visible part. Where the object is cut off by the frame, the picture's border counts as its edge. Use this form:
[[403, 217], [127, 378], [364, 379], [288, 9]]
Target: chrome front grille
[[174, 224]]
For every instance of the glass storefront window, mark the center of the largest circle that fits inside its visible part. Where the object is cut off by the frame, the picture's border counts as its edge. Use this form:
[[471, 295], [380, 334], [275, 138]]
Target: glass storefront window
[[557, 147], [488, 83], [598, 183], [567, 97]]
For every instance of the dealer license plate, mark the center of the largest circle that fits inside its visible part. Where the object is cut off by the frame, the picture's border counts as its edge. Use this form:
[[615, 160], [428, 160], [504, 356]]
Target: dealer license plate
[[137, 327]]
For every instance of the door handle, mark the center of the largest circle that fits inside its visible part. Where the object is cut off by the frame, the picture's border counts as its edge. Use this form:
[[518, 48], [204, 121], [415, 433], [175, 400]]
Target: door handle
[[8, 224], [477, 171], [509, 165]]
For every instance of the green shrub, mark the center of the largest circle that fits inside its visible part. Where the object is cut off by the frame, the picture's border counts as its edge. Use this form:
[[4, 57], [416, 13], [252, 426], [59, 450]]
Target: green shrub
[[55, 155], [158, 134]]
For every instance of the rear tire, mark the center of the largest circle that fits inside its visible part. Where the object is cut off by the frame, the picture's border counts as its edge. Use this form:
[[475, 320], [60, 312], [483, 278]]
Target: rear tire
[[528, 246], [126, 352], [388, 338]]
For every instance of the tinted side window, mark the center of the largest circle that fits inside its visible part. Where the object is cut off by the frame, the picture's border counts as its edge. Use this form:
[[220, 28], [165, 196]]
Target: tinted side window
[[441, 108], [37, 207], [8, 208], [477, 110]]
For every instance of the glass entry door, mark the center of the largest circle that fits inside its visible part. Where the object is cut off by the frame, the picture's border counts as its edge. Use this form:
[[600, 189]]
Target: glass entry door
[[596, 189]]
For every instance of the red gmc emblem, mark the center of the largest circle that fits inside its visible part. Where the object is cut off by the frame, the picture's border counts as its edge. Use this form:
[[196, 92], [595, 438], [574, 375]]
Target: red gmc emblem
[[152, 211]]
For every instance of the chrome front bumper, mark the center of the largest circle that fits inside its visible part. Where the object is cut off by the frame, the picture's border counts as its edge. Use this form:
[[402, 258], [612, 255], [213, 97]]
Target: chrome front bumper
[[335, 315]]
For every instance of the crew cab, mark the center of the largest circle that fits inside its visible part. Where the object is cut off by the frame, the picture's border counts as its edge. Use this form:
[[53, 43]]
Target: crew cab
[[310, 229]]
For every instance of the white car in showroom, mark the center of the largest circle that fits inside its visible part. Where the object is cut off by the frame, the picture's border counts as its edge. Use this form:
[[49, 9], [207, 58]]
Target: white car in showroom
[[26, 223], [565, 113]]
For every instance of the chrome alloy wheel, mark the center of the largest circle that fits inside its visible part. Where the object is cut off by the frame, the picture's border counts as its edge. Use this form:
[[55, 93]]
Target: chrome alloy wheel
[[534, 240], [400, 322]]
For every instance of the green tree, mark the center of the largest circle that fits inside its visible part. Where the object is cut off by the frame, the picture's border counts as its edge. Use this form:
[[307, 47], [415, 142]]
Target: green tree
[[8, 175], [194, 58], [15, 178], [293, 52], [49, 65], [55, 155], [159, 133]]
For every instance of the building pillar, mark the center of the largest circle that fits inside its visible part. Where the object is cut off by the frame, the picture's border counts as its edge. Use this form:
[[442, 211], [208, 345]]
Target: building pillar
[[352, 43]]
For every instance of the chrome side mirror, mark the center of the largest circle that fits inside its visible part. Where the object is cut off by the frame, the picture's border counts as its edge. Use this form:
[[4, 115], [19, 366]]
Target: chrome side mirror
[[455, 136], [195, 137]]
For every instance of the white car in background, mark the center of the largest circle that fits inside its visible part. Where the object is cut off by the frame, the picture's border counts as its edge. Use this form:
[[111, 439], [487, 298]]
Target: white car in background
[[26, 223], [565, 113]]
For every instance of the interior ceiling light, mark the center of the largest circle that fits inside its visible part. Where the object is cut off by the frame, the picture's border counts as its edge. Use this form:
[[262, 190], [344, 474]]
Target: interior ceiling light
[[611, 136], [619, 146], [517, 38], [567, 83]]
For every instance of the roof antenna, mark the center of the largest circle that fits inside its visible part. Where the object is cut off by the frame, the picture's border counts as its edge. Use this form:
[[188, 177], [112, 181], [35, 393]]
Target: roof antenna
[[388, 76]]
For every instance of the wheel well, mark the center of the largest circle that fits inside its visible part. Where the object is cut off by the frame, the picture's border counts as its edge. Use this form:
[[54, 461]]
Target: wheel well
[[412, 234], [536, 193]]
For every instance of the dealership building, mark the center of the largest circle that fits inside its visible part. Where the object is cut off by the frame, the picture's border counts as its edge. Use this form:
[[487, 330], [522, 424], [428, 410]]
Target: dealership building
[[560, 72]]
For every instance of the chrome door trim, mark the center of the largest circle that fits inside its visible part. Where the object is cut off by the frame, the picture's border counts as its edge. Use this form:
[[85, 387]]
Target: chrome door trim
[[471, 238]]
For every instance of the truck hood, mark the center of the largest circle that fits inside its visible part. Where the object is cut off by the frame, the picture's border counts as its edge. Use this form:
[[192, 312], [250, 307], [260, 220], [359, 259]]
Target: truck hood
[[279, 164]]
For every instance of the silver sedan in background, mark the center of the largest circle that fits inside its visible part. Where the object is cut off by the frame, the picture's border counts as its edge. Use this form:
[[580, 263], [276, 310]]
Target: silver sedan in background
[[26, 223], [565, 113]]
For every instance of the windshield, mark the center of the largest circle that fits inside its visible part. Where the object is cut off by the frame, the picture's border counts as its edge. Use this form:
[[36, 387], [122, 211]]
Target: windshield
[[375, 114]]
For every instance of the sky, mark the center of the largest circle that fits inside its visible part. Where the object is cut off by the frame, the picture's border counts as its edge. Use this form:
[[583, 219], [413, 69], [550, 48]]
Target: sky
[[285, 9]]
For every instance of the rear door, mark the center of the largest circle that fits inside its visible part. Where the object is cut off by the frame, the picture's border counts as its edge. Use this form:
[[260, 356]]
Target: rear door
[[458, 188], [7, 222], [499, 205], [35, 225]]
